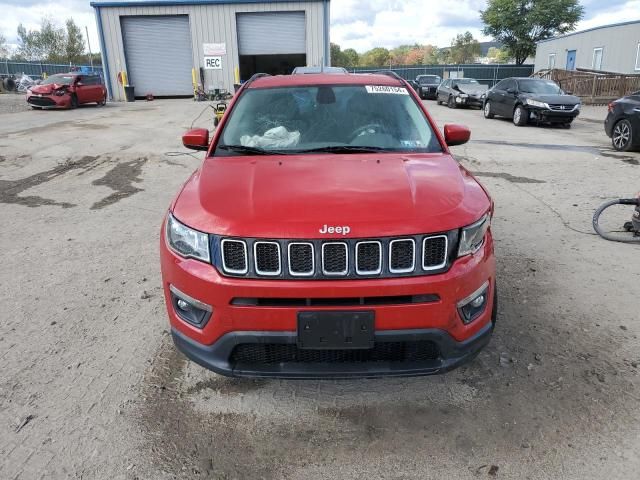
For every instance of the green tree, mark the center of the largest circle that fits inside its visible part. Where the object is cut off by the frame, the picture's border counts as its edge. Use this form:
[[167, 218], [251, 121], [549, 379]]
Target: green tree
[[74, 42], [520, 24], [498, 55], [351, 58], [337, 57], [376, 57], [4, 49], [51, 41], [464, 48]]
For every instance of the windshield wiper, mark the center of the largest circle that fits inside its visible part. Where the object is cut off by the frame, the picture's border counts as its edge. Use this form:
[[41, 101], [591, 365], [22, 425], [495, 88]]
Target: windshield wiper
[[344, 149], [250, 150]]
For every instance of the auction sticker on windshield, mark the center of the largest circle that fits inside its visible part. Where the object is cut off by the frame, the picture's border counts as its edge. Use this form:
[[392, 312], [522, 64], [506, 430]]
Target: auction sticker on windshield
[[386, 89]]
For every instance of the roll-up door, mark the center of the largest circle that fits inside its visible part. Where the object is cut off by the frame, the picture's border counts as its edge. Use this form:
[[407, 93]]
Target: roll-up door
[[158, 54], [271, 33]]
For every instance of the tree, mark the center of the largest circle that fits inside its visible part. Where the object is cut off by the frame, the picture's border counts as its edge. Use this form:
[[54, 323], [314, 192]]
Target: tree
[[498, 55], [464, 48], [351, 58], [520, 24], [376, 57], [4, 49], [74, 44]]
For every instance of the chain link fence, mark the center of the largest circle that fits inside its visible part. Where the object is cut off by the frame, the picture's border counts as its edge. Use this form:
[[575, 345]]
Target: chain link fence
[[36, 69], [485, 74]]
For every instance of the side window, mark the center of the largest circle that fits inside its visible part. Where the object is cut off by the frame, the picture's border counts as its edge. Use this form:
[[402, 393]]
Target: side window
[[501, 85], [511, 84]]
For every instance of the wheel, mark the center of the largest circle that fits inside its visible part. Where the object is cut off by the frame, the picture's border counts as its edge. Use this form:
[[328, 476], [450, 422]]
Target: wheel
[[451, 103], [216, 121], [566, 125], [103, 102], [520, 116], [36, 108], [487, 110], [74, 101], [438, 100], [622, 136]]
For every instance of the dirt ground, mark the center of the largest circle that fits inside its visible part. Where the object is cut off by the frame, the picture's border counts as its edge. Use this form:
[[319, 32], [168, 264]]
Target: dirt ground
[[91, 386]]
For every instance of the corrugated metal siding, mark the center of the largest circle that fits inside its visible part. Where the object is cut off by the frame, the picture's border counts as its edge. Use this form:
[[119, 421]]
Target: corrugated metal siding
[[158, 53], [619, 44], [209, 24], [271, 33]]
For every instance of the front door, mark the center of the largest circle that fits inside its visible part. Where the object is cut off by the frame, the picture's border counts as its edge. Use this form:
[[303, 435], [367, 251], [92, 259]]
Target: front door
[[571, 60]]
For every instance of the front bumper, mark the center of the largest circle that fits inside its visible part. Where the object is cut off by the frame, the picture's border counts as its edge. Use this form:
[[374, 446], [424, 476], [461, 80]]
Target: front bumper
[[49, 101], [552, 116], [434, 317], [470, 101], [216, 357], [428, 92]]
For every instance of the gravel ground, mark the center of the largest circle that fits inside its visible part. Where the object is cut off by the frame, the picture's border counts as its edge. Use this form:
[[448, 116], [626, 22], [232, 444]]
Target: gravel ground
[[91, 386], [12, 103]]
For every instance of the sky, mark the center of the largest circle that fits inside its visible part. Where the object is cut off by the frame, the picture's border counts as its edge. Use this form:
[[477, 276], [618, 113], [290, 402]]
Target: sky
[[358, 24]]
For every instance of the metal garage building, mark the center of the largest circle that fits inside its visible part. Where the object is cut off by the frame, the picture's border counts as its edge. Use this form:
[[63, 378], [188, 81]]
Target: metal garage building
[[158, 42]]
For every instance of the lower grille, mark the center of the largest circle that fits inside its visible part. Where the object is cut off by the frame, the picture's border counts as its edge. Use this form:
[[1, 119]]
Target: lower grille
[[41, 101], [273, 353]]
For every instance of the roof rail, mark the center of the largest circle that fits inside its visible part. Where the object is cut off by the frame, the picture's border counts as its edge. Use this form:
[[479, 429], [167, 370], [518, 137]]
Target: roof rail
[[390, 73], [255, 77]]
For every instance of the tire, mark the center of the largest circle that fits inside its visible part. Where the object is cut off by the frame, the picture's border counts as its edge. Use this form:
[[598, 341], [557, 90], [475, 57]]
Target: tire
[[622, 135], [520, 116], [74, 101], [486, 110], [103, 102], [36, 108], [451, 103]]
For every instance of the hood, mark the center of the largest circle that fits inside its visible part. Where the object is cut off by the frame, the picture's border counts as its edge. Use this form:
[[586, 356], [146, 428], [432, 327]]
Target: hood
[[473, 89], [556, 99], [46, 89], [295, 196]]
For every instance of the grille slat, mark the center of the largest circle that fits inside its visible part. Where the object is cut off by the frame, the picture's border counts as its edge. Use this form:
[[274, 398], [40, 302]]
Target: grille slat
[[402, 255], [301, 261], [434, 252], [267, 258], [234, 256], [335, 258], [368, 258], [275, 353]]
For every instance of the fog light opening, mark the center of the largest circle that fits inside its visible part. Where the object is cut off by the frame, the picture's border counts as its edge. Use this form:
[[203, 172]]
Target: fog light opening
[[474, 305], [189, 309]]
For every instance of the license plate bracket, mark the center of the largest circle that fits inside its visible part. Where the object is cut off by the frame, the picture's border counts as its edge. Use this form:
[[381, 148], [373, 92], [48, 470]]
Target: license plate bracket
[[336, 330]]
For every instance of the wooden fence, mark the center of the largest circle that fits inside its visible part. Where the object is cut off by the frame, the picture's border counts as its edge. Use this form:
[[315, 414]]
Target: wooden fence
[[593, 87]]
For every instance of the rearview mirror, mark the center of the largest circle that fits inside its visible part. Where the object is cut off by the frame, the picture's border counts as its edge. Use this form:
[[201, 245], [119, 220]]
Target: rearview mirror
[[456, 134], [196, 139]]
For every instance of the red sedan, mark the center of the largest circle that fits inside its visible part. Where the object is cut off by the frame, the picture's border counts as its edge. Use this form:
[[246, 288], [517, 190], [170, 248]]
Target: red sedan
[[67, 90], [329, 233]]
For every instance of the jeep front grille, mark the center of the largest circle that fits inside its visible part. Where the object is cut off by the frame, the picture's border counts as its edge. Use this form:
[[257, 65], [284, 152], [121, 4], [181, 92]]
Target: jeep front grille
[[334, 259]]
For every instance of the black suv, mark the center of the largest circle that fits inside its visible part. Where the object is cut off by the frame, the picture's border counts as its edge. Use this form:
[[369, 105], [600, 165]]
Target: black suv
[[428, 85], [531, 100]]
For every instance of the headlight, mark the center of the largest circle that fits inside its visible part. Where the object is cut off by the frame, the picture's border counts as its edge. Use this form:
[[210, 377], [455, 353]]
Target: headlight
[[60, 92], [187, 242], [472, 237], [536, 103]]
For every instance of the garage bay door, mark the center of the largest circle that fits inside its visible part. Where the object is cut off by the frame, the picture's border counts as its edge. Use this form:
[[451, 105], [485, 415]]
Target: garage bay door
[[271, 33], [158, 54]]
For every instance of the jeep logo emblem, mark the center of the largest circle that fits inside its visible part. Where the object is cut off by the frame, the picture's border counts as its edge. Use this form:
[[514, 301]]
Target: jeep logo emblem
[[344, 230]]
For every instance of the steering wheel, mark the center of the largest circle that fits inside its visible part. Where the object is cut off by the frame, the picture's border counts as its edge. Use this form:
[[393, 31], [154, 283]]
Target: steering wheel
[[366, 129]]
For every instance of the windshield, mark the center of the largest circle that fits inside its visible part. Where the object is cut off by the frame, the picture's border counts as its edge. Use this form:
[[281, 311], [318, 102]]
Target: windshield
[[429, 80], [338, 119], [466, 81], [59, 79], [539, 86]]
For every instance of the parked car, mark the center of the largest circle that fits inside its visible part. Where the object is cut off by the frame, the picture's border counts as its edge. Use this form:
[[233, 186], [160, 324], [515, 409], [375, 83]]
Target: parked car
[[461, 92], [67, 90], [428, 85], [622, 124], [311, 70], [533, 100], [335, 241]]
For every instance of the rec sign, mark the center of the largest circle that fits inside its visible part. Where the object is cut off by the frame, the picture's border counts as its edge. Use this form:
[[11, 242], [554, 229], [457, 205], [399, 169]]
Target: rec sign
[[213, 63]]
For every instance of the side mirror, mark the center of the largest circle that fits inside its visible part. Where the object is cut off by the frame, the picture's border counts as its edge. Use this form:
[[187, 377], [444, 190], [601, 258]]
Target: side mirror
[[456, 134], [196, 139], [512, 91]]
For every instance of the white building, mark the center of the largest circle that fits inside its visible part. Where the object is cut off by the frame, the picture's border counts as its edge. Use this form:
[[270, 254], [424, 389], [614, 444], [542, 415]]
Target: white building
[[610, 48]]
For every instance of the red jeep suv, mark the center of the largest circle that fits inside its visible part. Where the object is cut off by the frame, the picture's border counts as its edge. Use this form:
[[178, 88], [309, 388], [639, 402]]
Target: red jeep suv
[[329, 233]]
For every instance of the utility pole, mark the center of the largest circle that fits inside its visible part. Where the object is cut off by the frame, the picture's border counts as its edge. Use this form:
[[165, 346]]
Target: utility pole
[[89, 45]]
